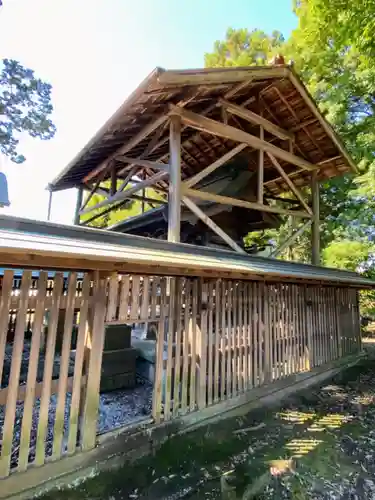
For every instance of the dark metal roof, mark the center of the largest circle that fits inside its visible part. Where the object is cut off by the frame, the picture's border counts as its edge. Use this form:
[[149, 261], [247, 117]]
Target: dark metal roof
[[32, 237], [279, 89]]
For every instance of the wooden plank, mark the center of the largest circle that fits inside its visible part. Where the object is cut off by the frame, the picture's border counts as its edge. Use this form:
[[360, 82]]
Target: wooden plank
[[229, 311], [245, 334], [212, 225], [112, 297], [32, 373], [174, 193], [226, 200], [78, 366], [267, 332], [214, 127], [223, 340], [170, 342], [10, 407], [250, 333], [193, 337], [256, 332], [177, 364], [214, 166], [211, 337], [145, 298], [260, 183], [58, 430], [134, 306], [154, 294], [158, 384], [124, 297], [235, 373], [261, 333], [48, 369], [6, 295], [315, 233], [297, 193], [202, 402], [185, 371], [217, 337], [91, 400], [256, 119]]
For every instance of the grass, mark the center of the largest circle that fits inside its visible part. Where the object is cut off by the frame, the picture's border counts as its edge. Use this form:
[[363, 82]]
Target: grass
[[317, 442]]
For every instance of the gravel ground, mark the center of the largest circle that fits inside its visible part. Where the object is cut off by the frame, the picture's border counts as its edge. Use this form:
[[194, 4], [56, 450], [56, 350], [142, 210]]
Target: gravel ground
[[116, 408], [319, 445]]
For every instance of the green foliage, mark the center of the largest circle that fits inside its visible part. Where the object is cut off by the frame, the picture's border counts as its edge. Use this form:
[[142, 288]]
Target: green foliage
[[244, 48], [347, 254], [25, 106]]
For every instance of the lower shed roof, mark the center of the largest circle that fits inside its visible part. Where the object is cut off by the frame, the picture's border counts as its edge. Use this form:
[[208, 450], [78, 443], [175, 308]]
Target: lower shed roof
[[45, 245], [276, 92]]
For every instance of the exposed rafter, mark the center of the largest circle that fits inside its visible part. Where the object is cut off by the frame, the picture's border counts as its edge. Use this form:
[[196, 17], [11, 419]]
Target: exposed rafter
[[216, 128], [144, 163], [256, 119]]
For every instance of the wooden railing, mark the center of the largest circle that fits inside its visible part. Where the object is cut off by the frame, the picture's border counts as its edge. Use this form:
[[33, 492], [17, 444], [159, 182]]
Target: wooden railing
[[216, 339]]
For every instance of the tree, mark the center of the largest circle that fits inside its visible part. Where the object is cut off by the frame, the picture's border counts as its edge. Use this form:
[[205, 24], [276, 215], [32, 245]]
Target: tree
[[25, 106]]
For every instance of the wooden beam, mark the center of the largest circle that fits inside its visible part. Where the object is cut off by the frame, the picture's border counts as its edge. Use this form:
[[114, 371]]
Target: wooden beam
[[291, 239], [315, 229], [78, 205], [142, 134], [174, 198], [211, 224], [225, 200], [256, 119], [297, 193], [215, 165], [122, 195], [220, 129], [260, 187], [144, 163]]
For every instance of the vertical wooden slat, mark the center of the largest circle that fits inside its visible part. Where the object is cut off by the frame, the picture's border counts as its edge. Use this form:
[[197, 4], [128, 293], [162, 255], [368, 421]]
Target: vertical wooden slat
[[177, 364], [193, 339], [78, 365], [261, 333], [134, 307], [185, 372], [210, 304], [112, 297], [245, 316], [96, 332], [6, 295], [124, 298], [58, 431], [256, 326], [32, 372], [223, 340], [241, 343], [229, 339], [217, 338], [267, 332], [11, 402], [154, 293], [145, 298], [170, 342], [235, 336], [203, 347], [250, 335], [280, 329], [159, 365], [289, 333], [48, 369]]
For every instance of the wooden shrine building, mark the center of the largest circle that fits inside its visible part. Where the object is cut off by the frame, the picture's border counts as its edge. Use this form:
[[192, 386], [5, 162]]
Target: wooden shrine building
[[226, 152]]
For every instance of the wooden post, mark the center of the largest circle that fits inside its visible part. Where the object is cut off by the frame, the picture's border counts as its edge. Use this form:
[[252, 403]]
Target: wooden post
[[78, 206], [174, 201], [315, 234], [261, 170], [49, 204]]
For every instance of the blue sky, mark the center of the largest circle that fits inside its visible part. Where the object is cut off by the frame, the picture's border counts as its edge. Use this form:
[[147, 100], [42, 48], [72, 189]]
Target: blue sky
[[94, 53]]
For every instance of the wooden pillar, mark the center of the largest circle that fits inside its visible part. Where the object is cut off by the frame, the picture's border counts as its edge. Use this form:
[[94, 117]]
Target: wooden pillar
[[315, 230], [174, 200], [49, 204], [78, 206], [261, 170]]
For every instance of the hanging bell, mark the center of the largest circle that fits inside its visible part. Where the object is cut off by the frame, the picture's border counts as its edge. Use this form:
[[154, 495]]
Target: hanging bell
[[4, 198]]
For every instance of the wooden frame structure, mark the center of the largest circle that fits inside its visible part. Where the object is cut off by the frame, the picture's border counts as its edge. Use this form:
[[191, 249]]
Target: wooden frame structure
[[199, 121]]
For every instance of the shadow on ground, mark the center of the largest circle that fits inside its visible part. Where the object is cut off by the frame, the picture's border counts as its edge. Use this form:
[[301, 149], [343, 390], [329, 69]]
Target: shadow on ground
[[317, 445]]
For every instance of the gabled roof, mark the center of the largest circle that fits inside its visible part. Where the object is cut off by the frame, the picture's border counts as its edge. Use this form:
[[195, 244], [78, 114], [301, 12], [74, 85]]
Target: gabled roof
[[277, 89]]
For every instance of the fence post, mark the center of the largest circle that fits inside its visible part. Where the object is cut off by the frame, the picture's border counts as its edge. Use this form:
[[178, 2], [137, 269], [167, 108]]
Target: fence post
[[94, 363]]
